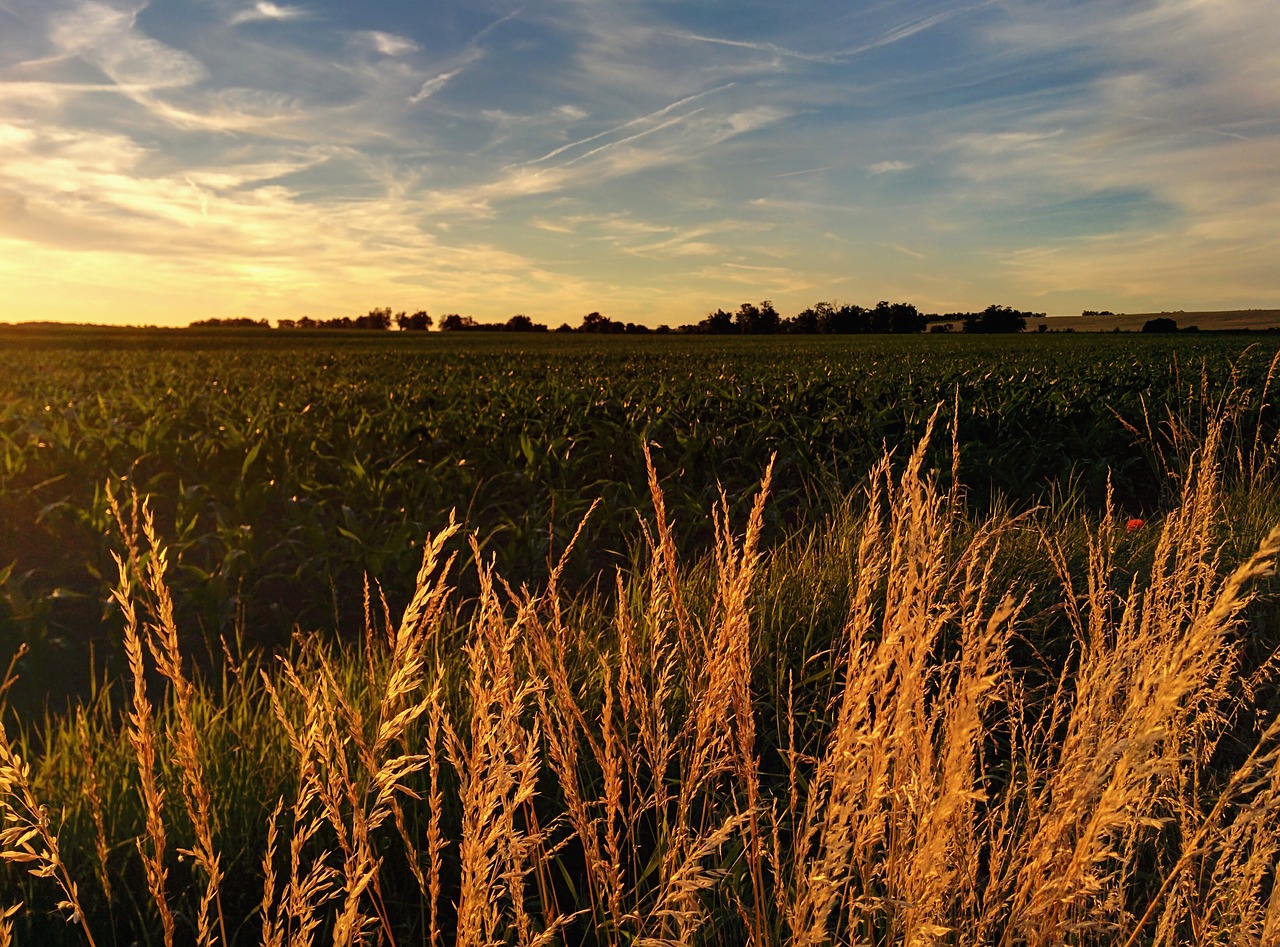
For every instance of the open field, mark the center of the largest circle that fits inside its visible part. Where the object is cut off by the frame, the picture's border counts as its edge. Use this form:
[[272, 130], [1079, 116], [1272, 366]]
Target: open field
[[987, 661], [281, 464], [1219, 321]]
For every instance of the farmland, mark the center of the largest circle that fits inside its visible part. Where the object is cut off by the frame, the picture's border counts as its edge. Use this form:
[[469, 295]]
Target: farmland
[[681, 716], [281, 467]]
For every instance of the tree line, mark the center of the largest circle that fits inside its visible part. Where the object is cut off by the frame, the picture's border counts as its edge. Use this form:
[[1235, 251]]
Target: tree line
[[823, 318], [380, 319]]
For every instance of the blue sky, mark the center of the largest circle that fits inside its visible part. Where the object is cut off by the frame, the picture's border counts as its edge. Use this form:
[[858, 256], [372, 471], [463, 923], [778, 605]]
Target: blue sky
[[178, 159]]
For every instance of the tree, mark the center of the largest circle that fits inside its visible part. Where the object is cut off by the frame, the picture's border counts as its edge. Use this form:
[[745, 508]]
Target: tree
[[996, 319], [716, 323], [454, 323], [594, 322], [522, 323], [810, 321], [757, 320], [1160, 324], [846, 320], [232, 322], [418, 322], [375, 319], [896, 317]]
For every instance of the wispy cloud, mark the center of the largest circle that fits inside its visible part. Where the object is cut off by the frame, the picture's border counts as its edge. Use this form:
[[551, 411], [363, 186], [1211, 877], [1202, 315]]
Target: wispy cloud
[[796, 174], [641, 120], [436, 83], [389, 44], [633, 137], [105, 36], [762, 279], [611, 159], [895, 34], [771, 48], [910, 28], [265, 10], [905, 251]]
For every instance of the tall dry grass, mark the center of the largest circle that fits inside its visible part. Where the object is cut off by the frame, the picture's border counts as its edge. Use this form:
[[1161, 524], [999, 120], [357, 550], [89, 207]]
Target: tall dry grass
[[668, 769]]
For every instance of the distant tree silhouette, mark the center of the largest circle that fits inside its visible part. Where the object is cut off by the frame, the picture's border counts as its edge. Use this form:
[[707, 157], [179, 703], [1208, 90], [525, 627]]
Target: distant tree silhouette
[[522, 323], [418, 322], [379, 319], [594, 322], [996, 319], [843, 320], [1160, 324], [456, 323], [806, 322], [895, 318], [825, 318], [751, 319], [822, 318], [716, 323], [234, 322]]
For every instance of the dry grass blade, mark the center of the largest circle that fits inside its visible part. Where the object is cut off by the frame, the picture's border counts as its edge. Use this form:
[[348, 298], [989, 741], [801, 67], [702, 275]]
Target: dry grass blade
[[196, 796], [93, 793], [140, 728], [28, 839], [497, 767], [352, 767]]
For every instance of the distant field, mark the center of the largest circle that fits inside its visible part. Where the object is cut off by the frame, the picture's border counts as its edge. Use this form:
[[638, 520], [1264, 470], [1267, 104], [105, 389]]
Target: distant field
[[1231, 320]]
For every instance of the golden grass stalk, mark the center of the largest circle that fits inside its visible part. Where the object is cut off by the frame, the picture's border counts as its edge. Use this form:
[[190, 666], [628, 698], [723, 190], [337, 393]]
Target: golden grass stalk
[[93, 794], [888, 832], [736, 566], [1111, 760], [435, 802], [140, 723], [352, 767], [162, 641], [292, 915], [27, 837], [6, 924], [273, 933], [497, 767], [185, 741]]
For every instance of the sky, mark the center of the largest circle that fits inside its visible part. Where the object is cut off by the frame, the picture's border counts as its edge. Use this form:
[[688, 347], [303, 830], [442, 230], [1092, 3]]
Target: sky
[[174, 160]]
